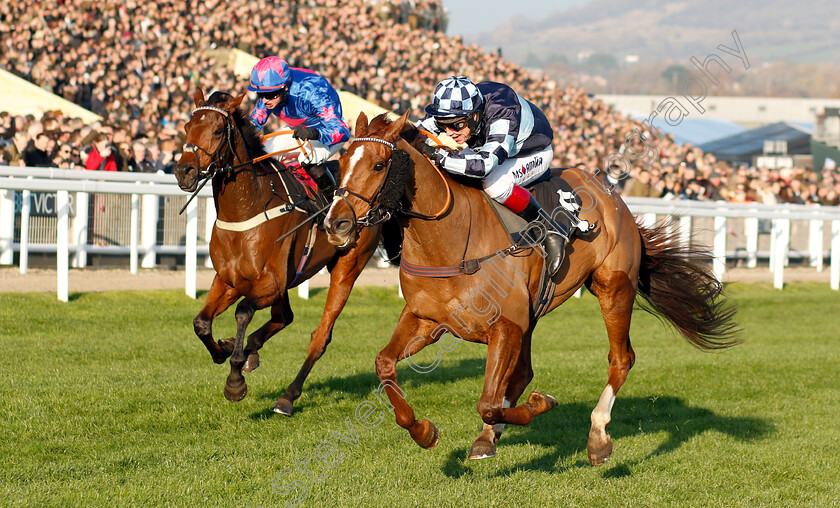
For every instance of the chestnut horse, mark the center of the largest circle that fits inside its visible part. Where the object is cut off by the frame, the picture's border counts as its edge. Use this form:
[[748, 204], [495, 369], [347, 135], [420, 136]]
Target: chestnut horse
[[249, 260], [495, 305]]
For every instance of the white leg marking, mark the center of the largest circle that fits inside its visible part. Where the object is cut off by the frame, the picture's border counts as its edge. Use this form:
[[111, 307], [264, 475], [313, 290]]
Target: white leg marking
[[499, 427], [601, 413]]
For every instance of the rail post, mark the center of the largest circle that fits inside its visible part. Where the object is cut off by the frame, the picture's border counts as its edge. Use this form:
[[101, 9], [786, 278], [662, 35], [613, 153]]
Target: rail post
[[62, 254]]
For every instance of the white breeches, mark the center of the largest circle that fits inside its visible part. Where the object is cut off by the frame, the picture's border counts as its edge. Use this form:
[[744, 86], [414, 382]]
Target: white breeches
[[312, 152]]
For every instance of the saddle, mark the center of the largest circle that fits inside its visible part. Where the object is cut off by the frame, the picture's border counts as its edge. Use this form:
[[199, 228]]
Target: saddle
[[516, 227], [304, 194], [551, 191], [303, 185]]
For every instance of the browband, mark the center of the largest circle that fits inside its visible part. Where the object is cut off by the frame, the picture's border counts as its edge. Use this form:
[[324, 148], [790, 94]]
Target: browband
[[377, 140], [211, 108]]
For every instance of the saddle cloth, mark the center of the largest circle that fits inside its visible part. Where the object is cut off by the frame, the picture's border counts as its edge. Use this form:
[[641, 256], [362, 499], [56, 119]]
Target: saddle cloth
[[304, 185], [550, 191]]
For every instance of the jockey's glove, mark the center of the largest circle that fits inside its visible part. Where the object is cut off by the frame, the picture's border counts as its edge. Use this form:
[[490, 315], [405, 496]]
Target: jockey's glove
[[304, 132], [429, 151]]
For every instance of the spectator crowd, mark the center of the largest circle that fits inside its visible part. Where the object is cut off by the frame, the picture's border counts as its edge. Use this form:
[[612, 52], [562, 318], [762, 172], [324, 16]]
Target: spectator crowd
[[137, 64]]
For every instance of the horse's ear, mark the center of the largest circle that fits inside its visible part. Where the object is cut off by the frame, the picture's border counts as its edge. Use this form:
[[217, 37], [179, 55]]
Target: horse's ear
[[361, 124], [395, 128], [198, 98], [234, 103]]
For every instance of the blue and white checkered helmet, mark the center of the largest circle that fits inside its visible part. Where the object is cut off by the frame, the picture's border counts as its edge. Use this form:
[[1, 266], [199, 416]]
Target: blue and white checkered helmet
[[455, 96]]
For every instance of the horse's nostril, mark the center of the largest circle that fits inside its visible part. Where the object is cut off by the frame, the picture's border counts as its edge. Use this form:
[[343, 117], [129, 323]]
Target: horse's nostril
[[343, 226], [185, 170]]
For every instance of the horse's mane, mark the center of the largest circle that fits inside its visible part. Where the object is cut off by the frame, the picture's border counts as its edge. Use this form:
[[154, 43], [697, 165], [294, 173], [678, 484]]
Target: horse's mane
[[380, 122], [400, 171], [416, 138], [253, 141], [409, 132]]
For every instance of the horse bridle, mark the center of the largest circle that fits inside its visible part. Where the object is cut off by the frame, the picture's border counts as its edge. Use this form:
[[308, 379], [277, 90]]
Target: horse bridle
[[215, 158], [375, 214]]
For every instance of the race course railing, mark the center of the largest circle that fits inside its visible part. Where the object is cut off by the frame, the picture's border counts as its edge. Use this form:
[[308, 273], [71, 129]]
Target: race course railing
[[779, 216], [97, 210], [74, 213]]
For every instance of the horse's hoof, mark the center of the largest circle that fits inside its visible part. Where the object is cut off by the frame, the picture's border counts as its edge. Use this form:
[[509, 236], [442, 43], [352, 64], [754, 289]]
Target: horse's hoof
[[252, 363], [482, 450], [227, 345], [598, 455], [432, 438], [541, 402], [283, 407], [237, 392]]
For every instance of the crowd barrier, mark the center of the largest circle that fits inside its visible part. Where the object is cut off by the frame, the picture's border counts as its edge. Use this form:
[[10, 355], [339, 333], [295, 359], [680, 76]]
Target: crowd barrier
[[74, 213]]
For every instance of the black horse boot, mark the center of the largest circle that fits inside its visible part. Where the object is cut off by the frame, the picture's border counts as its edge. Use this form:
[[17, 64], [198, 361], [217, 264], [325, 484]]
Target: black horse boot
[[556, 236]]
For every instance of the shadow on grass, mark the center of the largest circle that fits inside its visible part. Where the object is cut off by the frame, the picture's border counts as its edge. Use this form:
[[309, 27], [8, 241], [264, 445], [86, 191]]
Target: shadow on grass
[[566, 428], [362, 384]]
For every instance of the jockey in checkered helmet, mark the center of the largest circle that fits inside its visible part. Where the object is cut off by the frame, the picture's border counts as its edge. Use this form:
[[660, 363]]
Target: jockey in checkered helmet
[[456, 97], [508, 143]]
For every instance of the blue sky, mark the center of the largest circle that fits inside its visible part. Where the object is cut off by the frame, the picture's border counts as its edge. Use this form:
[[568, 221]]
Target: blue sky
[[468, 17]]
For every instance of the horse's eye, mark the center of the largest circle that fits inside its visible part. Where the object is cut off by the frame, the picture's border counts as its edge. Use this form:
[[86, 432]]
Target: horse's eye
[[219, 132], [379, 166]]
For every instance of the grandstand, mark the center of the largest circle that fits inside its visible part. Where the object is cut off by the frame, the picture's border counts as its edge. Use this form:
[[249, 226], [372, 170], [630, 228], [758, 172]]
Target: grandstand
[[20, 97]]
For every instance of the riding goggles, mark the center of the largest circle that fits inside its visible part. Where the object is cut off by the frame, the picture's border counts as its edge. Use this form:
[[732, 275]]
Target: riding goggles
[[454, 124], [268, 96]]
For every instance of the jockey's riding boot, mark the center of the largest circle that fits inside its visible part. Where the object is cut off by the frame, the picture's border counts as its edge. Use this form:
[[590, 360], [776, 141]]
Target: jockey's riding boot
[[326, 184], [556, 236], [323, 177]]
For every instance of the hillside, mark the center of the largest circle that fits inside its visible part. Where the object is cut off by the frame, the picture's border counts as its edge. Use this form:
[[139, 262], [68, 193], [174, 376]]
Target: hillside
[[666, 30]]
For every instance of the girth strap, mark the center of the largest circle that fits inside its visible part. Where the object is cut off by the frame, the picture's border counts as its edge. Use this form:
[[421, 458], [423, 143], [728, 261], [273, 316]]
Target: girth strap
[[255, 221], [439, 272], [467, 267]]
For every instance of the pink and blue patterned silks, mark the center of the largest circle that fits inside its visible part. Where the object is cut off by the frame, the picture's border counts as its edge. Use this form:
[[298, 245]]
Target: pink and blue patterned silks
[[312, 102]]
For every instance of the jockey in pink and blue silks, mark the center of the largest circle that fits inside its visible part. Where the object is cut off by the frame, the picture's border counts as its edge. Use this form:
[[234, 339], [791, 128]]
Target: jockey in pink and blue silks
[[307, 103]]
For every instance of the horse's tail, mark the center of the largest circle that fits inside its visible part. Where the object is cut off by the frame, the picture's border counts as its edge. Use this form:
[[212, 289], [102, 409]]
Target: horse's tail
[[676, 284]]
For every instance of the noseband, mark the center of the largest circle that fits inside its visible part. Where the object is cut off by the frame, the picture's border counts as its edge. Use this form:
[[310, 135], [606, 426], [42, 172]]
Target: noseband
[[216, 158]]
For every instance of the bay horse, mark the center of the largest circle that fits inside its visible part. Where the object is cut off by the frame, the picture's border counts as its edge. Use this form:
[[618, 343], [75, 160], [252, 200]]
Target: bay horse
[[495, 305], [253, 212]]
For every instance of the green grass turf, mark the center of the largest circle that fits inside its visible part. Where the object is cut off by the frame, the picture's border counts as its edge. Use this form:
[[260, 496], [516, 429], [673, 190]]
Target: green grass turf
[[110, 400]]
